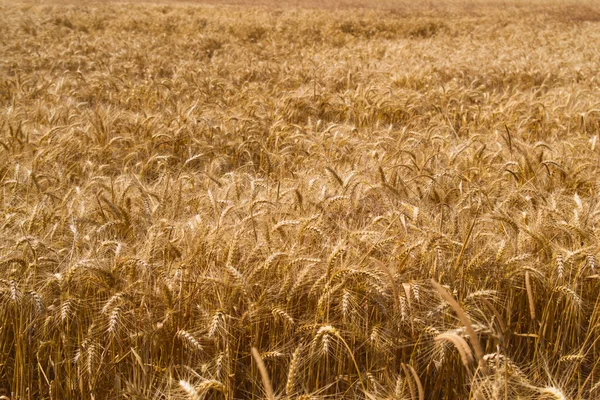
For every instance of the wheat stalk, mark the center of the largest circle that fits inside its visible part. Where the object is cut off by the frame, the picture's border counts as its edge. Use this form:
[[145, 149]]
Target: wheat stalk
[[465, 321]]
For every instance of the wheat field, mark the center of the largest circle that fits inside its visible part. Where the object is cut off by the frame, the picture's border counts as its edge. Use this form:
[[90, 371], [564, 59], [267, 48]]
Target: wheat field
[[300, 200]]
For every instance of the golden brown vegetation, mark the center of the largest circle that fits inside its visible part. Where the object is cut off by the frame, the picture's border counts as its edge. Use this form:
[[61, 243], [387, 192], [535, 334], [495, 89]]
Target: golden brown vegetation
[[217, 202]]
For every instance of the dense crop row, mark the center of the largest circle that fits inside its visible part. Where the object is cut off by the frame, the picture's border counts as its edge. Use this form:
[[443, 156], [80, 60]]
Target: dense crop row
[[180, 184]]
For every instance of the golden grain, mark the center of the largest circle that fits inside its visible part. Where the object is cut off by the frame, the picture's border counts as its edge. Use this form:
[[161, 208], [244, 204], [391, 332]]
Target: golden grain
[[182, 183]]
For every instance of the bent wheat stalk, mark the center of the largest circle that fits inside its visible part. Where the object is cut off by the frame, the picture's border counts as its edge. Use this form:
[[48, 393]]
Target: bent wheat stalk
[[263, 374], [465, 321], [461, 345]]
